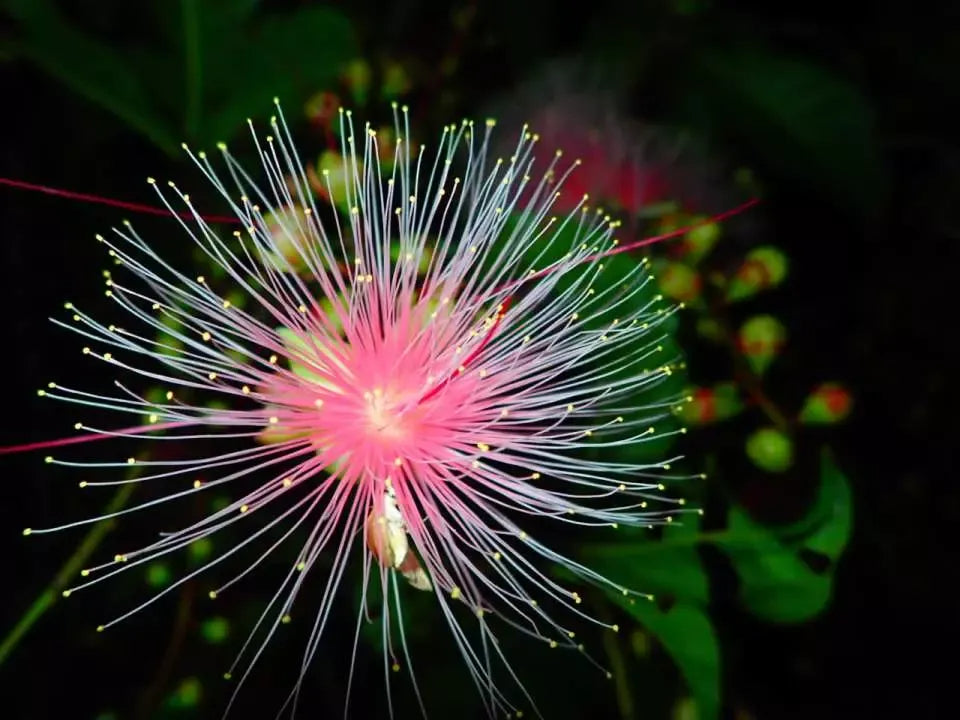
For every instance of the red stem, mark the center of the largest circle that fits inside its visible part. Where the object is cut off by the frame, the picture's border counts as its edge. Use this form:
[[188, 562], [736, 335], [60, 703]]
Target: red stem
[[501, 311], [97, 200], [89, 437]]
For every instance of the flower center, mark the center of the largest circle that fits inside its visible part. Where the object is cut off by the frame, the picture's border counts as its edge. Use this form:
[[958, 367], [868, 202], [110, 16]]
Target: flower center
[[384, 415]]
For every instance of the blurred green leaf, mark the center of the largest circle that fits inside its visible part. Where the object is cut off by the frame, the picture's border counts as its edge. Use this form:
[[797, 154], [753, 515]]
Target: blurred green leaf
[[806, 121], [87, 66], [670, 569], [829, 524], [686, 632], [786, 573], [286, 56], [217, 63]]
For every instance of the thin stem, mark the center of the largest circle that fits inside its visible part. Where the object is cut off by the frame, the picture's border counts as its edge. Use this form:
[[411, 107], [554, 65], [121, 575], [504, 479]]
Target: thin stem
[[753, 384], [748, 379], [110, 202]]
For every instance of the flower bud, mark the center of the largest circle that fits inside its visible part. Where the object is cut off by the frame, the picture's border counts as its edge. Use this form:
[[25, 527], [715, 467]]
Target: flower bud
[[396, 80], [356, 77], [770, 450], [712, 404], [321, 109], [386, 537], [678, 281], [699, 241], [215, 630], [764, 267], [158, 575], [186, 695], [828, 403], [333, 179], [760, 340], [709, 329], [285, 227]]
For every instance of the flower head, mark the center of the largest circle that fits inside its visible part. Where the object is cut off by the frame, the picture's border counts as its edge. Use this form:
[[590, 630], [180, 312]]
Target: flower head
[[422, 376], [635, 166]]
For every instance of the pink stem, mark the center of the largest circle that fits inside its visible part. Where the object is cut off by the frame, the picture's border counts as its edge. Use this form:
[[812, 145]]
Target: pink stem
[[96, 199], [135, 430]]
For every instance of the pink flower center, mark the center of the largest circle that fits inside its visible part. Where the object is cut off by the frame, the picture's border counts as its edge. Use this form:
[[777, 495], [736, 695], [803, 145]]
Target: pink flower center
[[389, 415]]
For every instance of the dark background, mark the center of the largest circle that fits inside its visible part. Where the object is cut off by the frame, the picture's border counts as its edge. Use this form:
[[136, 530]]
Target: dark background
[[870, 301]]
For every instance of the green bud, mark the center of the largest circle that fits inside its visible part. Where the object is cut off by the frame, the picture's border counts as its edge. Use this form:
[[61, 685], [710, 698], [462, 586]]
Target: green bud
[[764, 267], [640, 642], [334, 179], [828, 403], [322, 108], [200, 549], [760, 340], [709, 329], [697, 243], [166, 342], [707, 405], [678, 281], [356, 76], [286, 227], [219, 503], [770, 450], [237, 299], [187, 694], [215, 630], [396, 80], [158, 575], [686, 709]]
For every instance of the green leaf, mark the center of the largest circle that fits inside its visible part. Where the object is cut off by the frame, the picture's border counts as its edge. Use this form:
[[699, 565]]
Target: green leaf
[[88, 67], [802, 119], [777, 582], [287, 56], [828, 525], [672, 570], [670, 567], [687, 634], [218, 63]]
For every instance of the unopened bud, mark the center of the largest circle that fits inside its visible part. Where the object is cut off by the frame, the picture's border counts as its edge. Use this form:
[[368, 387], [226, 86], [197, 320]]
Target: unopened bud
[[828, 403], [711, 404], [761, 339], [396, 80], [356, 76], [679, 281], [764, 267], [770, 450], [697, 243]]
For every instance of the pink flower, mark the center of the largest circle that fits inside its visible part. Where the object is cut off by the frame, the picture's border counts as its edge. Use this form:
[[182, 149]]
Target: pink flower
[[422, 374], [633, 166]]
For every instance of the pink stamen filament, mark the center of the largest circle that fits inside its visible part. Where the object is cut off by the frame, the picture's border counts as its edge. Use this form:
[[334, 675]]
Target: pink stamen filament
[[123, 205], [501, 311], [643, 242], [135, 430]]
